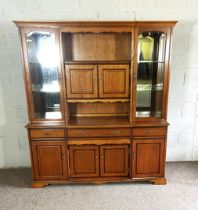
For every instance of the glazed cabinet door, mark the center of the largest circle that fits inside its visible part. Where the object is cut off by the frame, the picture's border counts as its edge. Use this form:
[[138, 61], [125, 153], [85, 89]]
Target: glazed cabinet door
[[113, 81], [81, 81], [41, 55], [148, 158], [151, 68], [114, 160], [84, 161], [49, 160]]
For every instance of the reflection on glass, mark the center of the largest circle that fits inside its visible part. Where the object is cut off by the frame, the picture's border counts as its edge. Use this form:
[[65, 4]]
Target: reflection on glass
[[43, 61], [151, 57]]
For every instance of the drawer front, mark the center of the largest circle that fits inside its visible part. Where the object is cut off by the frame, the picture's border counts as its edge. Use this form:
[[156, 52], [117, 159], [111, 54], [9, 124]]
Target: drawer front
[[98, 132], [149, 131], [47, 133]]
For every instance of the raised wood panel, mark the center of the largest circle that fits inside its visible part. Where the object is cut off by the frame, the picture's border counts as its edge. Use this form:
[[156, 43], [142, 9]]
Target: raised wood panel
[[84, 161], [148, 158], [114, 160], [149, 131], [113, 81], [97, 132], [47, 133], [81, 81], [49, 160]]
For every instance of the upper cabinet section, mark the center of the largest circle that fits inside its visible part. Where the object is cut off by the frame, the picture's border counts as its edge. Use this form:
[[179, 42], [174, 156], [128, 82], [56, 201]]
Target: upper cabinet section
[[42, 60], [110, 69]]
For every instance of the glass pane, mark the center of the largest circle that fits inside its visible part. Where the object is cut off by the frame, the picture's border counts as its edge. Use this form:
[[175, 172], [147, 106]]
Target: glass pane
[[43, 59], [150, 76]]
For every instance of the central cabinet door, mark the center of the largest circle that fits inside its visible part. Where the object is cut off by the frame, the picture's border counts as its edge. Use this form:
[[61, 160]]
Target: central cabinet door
[[114, 160], [114, 81], [84, 161], [81, 81]]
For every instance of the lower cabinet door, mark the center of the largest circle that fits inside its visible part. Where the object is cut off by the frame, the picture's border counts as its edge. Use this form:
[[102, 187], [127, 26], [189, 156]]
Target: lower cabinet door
[[84, 161], [114, 160], [49, 160], [148, 158]]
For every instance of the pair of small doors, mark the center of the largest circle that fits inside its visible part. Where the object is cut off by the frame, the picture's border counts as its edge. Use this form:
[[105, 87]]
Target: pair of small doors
[[99, 161], [97, 81]]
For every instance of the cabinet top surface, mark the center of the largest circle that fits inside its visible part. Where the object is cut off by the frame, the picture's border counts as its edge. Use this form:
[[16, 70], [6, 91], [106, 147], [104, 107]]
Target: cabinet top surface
[[25, 23]]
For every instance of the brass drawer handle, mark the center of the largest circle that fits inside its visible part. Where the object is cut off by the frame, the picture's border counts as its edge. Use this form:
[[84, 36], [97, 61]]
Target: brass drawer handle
[[115, 132], [81, 132], [47, 134], [148, 131]]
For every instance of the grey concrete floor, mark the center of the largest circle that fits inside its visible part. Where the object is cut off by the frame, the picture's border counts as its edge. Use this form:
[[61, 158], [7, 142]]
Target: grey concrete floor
[[180, 193]]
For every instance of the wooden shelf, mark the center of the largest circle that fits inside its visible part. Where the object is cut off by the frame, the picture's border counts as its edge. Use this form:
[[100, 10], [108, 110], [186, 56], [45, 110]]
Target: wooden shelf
[[99, 62], [97, 100], [99, 121]]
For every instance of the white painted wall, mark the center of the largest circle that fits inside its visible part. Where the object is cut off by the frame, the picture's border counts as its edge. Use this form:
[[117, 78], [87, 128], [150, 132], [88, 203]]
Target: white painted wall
[[183, 97]]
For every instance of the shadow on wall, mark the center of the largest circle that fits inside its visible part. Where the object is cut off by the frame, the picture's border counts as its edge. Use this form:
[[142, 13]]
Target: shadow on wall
[[14, 150]]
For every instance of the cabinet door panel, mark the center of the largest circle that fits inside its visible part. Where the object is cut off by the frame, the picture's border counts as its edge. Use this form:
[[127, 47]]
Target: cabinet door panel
[[84, 161], [114, 160], [81, 81], [114, 81], [148, 158], [43, 73], [151, 67], [49, 160]]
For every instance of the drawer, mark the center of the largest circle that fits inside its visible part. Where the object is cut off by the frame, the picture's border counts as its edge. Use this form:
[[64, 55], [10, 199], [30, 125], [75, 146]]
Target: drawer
[[149, 131], [98, 132], [47, 133]]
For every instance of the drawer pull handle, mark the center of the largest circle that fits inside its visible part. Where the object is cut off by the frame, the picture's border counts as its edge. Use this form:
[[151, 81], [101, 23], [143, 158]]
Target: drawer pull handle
[[115, 132], [81, 132], [47, 134], [148, 131]]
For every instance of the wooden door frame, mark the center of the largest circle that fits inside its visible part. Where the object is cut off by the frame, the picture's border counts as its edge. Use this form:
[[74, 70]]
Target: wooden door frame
[[35, 160], [27, 78], [137, 31], [102, 160]]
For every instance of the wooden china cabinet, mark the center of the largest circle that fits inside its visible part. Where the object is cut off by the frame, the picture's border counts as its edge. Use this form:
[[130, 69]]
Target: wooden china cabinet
[[97, 96]]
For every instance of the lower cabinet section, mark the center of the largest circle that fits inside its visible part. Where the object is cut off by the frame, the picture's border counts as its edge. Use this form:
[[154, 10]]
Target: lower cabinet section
[[125, 159], [94, 161], [49, 160], [148, 158]]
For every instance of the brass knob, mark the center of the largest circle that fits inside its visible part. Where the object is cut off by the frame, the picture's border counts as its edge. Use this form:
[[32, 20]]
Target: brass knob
[[81, 132], [148, 131], [115, 132]]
